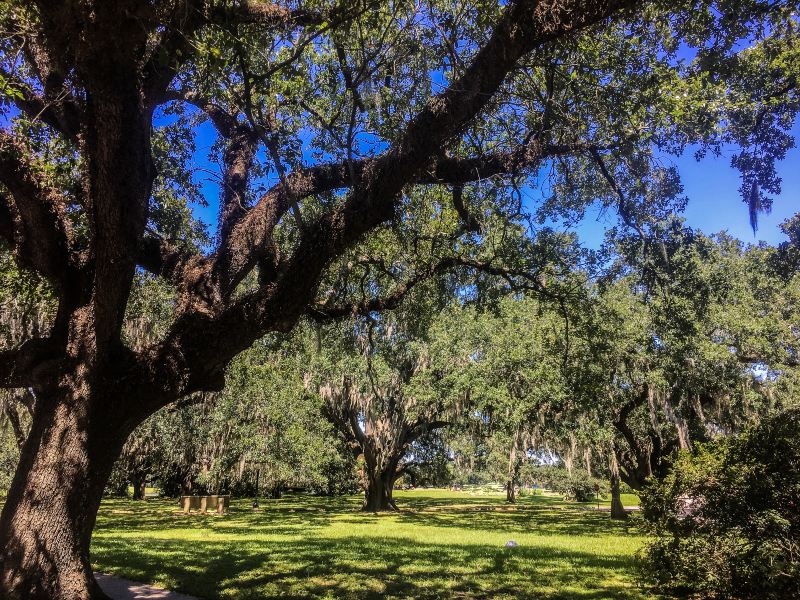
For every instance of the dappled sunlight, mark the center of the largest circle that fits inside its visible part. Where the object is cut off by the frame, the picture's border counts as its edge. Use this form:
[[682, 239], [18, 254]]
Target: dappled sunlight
[[440, 544]]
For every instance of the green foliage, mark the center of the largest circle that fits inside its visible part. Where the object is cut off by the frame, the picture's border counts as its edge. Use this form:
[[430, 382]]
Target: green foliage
[[786, 261], [265, 428], [510, 387], [432, 463], [26, 310], [726, 521], [9, 455], [578, 486]]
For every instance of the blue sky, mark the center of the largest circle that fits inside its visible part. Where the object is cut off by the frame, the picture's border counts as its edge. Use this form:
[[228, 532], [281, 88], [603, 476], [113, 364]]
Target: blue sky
[[712, 187]]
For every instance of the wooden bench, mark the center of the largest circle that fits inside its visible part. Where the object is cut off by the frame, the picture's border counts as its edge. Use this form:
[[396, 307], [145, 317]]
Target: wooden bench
[[204, 503]]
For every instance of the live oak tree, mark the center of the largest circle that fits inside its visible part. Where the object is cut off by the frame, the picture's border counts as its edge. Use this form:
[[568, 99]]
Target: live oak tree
[[277, 430], [722, 324], [263, 434], [326, 116], [511, 359], [664, 361], [376, 377], [678, 338], [611, 343], [100, 72], [514, 375]]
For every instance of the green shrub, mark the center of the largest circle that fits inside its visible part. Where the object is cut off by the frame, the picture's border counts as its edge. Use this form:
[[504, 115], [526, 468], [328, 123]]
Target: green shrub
[[552, 477], [578, 486], [726, 521], [580, 489]]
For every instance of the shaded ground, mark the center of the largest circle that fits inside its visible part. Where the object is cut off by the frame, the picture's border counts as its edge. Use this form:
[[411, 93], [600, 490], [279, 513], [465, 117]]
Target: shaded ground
[[441, 544], [124, 589]]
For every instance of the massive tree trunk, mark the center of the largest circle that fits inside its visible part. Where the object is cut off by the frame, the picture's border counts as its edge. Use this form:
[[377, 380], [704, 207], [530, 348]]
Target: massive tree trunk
[[381, 473], [378, 493], [47, 520]]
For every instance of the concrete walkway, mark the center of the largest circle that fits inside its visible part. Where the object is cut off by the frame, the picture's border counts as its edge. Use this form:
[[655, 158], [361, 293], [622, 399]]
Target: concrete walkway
[[124, 589]]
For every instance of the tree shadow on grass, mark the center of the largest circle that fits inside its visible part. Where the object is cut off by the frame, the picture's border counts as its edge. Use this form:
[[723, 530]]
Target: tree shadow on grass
[[351, 567], [546, 515], [307, 547], [540, 520]]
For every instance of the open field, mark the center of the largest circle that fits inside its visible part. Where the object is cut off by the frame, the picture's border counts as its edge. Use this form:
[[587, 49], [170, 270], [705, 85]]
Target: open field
[[441, 544]]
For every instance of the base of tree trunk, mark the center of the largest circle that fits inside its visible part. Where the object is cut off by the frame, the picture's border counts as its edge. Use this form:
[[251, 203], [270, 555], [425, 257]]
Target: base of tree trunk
[[47, 520], [378, 496], [139, 490], [381, 507], [617, 509], [511, 493]]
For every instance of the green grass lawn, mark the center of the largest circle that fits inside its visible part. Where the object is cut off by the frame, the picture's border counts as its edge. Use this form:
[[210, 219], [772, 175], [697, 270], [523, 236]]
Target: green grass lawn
[[440, 545]]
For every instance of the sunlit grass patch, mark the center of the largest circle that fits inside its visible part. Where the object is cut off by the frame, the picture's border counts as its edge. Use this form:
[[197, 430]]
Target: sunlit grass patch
[[441, 544]]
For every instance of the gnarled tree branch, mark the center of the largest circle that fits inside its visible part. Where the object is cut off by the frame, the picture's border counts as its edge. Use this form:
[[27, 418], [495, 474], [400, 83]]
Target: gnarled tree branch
[[186, 353], [62, 113], [37, 211]]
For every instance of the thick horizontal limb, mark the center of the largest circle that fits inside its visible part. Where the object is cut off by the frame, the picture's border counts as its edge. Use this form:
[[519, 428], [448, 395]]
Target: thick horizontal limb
[[251, 236], [159, 257], [175, 47], [198, 347]]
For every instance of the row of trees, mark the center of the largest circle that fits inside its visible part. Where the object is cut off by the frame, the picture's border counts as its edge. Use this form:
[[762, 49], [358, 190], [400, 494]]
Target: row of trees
[[611, 372], [646, 360]]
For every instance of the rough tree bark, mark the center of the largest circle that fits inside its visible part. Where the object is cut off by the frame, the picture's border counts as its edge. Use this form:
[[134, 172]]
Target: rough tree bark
[[380, 485], [102, 67], [50, 510]]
